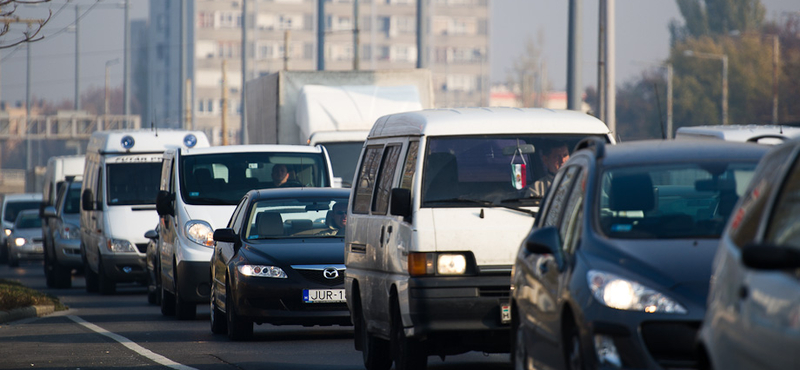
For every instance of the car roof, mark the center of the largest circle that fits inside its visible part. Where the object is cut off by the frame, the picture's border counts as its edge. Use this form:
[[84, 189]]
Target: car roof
[[271, 148], [737, 132], [298, 192], [28, 212], [22, 197], [477, 121], [679, 151]]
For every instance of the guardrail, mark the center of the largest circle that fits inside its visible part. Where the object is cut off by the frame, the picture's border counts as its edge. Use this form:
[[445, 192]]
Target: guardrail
[[64, 127]]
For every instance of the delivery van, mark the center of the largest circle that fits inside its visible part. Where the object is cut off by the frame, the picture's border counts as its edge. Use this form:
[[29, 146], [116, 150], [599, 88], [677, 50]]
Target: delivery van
[[200, 188], [439, 206], [118, 201]]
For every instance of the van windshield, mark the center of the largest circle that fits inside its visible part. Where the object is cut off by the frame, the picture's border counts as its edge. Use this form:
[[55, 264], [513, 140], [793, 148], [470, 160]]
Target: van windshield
[[224, 178], [133, 183], [72, 205], [344, 156], [469, 170]]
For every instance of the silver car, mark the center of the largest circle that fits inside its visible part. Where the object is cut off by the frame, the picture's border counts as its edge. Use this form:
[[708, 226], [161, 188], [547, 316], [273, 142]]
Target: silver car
[[753, 315], [25, 239], [62, 247]]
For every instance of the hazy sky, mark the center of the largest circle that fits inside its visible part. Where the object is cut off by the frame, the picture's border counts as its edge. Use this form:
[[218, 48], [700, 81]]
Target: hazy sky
[[642, 40]]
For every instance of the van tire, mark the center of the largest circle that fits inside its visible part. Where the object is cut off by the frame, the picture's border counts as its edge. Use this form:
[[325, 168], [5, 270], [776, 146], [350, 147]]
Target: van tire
[[91, 278], [104, 284], [374, 351], [183, 310], [62, 276], [407, 353]]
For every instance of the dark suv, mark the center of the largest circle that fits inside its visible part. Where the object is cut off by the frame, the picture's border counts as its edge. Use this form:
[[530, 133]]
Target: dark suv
[[615, 271]]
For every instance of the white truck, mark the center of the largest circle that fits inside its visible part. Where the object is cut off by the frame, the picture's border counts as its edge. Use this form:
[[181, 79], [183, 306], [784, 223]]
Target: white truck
[[331, 108]]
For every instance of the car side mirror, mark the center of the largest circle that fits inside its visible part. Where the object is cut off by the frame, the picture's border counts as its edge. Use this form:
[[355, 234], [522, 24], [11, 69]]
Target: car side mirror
[[151, 234], [770, 257], [546, 241], [164, 203], [401, 203], [49, 211], [87, 200], [227, 235]]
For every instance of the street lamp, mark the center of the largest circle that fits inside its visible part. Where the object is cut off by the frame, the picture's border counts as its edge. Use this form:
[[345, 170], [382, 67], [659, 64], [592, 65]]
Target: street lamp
[[724, 59], [105, 110]]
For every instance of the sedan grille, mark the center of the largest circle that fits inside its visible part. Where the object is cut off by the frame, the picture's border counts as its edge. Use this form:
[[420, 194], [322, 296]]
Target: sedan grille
[[317, 276]]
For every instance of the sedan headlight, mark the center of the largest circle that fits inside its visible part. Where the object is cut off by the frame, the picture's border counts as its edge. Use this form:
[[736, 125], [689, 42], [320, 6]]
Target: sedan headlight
[[262, 271], [623, 294], [20, 242], [7, 231], [420, 264], [200, 232], [119, 246], [69, 231]]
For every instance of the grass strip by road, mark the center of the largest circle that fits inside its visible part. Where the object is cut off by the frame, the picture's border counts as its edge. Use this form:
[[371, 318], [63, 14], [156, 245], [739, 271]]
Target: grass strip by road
[[14, 295]]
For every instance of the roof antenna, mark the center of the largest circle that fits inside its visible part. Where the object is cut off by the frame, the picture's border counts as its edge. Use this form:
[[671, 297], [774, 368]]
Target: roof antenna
[[660, 115]]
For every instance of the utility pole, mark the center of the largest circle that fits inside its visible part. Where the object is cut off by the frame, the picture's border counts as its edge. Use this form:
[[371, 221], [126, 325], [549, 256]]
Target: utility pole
[[775, 61], [601, 60], [224, 113], [573, 56], [669, 101], [356, 41], [182, 64], [243, 91], [422, 34], [126, 97], [77, 59], [29, 154], [286, 50], [610, 70], [320, 35], [188, 105]]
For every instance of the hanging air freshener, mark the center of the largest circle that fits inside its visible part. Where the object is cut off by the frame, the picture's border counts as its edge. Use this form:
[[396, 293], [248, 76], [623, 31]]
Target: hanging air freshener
[[518, 171]]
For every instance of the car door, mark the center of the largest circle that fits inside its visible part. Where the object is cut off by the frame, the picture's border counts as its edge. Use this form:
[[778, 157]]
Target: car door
[[224, 252], [168, 229]]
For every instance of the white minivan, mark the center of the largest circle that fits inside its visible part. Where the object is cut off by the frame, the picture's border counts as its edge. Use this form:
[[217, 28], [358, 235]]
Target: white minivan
[[439, 206], [118, 195], [200, 188]]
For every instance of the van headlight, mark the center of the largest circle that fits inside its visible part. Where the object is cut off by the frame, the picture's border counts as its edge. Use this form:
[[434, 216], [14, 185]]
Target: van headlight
[[120, 246], [623, 294], [200, 232], [69, 231], [421, 264]]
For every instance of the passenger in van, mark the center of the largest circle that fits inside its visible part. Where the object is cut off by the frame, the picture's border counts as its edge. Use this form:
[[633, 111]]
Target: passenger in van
[[553, 157], [336, 220], [282, 177]]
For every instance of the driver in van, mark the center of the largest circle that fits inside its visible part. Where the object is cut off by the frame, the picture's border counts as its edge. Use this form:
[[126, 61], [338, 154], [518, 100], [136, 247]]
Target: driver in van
[[280, 175], [553, 157]]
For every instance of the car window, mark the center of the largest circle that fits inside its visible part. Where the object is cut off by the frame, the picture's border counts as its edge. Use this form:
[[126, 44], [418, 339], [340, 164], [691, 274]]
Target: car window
[[235, 222], [385, 176], [28, 221], [133, 183], [410, 168], [556, 202], [573, 214], [783, 227], [72, 201], [682, 200], [366, 179], [745, 220], [291, 218]]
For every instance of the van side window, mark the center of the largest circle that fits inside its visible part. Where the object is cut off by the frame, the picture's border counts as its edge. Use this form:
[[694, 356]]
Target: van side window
[[411, 165], [366, 179], [98, 191], [166, 175], [385, 177]]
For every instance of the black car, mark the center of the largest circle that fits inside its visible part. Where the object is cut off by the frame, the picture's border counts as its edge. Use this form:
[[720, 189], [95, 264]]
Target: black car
[[616, 269], [280, 261]]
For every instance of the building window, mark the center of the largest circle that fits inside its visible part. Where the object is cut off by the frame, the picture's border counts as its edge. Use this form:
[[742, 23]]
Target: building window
[[205, 20]]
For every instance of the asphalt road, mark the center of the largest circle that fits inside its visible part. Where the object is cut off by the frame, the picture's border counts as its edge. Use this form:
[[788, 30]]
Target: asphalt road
[[123, 331]]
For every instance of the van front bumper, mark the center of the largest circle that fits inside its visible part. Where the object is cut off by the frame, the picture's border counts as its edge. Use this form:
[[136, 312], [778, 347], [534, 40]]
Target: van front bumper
[[462, 310], [125, 267], [68, 252], [194, 280]]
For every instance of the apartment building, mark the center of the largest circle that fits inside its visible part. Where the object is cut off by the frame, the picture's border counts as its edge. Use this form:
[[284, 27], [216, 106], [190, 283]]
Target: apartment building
[[283, 34]]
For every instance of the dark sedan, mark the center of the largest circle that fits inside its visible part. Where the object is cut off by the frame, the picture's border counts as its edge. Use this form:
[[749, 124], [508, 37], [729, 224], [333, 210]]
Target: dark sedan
[[615, 273], [280, 261]]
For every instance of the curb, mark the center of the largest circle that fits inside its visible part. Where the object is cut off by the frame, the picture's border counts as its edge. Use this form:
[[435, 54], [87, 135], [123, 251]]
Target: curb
[[25, 312]]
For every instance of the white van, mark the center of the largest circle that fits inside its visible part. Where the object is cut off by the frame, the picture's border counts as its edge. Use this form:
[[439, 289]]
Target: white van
[[761, 134], [58, 169], [200, 188], [118, 195], [439, 207]]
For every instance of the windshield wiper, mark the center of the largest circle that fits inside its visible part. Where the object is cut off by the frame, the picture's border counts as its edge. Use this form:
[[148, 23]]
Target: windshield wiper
[[485, 203]]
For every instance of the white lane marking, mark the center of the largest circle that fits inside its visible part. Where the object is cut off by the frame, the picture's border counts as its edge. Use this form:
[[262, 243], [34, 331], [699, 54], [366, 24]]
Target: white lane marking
[[155, 357]]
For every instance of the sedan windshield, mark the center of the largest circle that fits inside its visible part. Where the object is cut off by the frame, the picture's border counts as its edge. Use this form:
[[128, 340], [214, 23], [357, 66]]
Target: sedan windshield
[[671, 201], [297, 218]]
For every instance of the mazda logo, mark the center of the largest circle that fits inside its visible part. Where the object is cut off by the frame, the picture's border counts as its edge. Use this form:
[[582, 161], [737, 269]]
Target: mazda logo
[[330, 273]]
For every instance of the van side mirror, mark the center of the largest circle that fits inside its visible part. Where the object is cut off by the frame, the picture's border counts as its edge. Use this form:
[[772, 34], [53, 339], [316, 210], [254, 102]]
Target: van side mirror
[[49, 211], [87, 200], [546, 241], [401, 203], [164, 203]]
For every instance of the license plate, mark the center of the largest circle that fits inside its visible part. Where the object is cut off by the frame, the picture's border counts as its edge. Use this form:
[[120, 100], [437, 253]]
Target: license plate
[[505, 313], [323, 296]]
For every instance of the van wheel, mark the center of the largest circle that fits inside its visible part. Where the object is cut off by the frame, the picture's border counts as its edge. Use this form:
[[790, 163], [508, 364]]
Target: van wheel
[[183, 310], [105, 285], [219, 323], [407, 353], [91, 278], [62, 276], [375, 351], [239, 328]]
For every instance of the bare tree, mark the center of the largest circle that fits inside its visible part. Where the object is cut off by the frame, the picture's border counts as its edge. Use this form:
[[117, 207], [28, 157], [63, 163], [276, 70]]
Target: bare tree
[[528, 73], [8, 8]]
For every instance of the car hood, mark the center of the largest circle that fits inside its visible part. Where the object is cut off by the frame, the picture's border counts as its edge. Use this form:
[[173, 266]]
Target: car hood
[[294, 252], [217, 216], [27, 233], [677, 265]]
